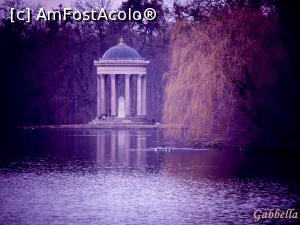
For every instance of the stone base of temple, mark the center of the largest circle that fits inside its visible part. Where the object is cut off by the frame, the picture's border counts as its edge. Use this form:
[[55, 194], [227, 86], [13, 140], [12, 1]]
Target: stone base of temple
[[100, 126], [122, 121]]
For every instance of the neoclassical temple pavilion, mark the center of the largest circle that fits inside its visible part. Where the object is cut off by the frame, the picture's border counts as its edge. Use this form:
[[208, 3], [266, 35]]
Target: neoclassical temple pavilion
[[124, 63]]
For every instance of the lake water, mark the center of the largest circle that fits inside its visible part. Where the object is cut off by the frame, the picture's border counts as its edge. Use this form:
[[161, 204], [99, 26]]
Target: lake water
[[120, 177]]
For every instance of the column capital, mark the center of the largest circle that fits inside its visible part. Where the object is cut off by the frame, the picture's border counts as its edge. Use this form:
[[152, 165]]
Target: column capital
[[128, 75]]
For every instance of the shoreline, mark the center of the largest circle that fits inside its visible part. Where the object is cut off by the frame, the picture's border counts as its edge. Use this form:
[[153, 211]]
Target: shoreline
[[102, 126]]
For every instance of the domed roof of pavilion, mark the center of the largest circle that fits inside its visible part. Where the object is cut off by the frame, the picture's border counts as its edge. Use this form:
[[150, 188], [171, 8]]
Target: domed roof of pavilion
[[121, 51]]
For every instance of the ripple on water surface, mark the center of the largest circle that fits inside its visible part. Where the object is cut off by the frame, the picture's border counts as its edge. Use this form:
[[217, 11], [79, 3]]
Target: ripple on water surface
[[104, 178]]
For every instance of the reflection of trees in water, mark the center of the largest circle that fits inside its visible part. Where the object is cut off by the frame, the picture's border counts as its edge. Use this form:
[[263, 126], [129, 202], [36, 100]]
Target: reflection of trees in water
[[206, 163]]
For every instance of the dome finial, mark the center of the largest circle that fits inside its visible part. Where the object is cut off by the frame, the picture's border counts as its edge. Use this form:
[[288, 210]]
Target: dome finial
[[121, 42]]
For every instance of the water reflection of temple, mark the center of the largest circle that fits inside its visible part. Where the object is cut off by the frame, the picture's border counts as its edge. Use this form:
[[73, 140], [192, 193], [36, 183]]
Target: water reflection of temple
[[134, 148], [127, 147]]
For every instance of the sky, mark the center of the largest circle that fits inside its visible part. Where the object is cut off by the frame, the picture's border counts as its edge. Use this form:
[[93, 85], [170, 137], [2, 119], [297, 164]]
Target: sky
[[54, 3]]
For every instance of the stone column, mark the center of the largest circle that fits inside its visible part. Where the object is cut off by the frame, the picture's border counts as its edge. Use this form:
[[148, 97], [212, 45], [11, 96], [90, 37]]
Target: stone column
[[99, 108], [103, 98], [144, 96], [113, 95], [139, 95], [127, 95]]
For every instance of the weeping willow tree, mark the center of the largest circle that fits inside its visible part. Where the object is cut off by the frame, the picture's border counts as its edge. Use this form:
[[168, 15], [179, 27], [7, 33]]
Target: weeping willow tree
[[222, 77]]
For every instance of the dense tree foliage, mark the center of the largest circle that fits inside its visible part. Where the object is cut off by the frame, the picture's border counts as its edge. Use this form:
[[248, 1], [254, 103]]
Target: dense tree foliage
[[241, 80], [231, 76]]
